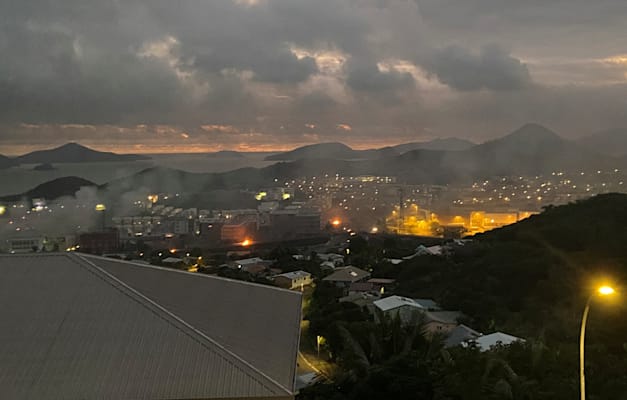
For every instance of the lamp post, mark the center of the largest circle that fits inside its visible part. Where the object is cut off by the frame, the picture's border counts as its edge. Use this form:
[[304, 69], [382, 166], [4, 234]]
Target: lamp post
[[319, 340], [601, 291], [101, 208]]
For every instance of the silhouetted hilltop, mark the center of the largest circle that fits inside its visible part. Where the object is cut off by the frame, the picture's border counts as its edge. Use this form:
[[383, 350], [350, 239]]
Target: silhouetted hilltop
[[334, 150], [66, 186], [446, 144], [530, 150], [75, 153]]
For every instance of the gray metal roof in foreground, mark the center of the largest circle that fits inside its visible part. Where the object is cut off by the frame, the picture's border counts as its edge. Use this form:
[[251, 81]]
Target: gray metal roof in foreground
[[76, 327]]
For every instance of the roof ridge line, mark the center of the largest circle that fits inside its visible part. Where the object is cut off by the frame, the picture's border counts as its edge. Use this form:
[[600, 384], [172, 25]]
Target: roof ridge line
[[204, 276], [187, 325]]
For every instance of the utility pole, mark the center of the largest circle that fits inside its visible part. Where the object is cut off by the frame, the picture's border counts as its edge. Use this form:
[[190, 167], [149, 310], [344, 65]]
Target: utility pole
[[401, 215]]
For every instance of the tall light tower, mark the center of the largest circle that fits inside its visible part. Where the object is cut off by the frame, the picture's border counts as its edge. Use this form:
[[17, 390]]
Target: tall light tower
[[401, 215], [101, 208]]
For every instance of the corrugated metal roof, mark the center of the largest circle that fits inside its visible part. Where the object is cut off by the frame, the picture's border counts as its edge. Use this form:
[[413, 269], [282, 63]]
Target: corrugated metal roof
[[259, 323], [295, 274], [393, 302], [70, 329]]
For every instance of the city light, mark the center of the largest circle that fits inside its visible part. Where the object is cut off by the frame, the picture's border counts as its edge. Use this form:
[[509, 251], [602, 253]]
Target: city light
[[606, 290], [246, 242], [3, 210], [336, 222], [100, 207]]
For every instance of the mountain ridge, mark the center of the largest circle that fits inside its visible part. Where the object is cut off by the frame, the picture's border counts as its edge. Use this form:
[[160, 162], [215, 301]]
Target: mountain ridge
[[74, 153], [50, 190]]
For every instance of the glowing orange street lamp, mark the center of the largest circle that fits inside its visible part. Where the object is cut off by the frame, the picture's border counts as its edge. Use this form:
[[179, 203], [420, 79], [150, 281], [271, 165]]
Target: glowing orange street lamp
[[336, 222], [601, 291], [246, 242]]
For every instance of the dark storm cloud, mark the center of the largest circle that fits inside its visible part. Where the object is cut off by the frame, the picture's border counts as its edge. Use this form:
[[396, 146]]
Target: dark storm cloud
[[490, 68], [267, 68], [548, 27], [366, 76]]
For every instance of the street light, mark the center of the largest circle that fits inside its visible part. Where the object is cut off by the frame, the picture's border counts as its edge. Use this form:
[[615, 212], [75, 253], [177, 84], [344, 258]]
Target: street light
[[604, 290], [319, 341], [101, 208]]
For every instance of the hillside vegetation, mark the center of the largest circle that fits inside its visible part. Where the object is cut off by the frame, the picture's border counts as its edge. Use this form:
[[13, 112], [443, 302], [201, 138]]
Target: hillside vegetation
[[530, 279]]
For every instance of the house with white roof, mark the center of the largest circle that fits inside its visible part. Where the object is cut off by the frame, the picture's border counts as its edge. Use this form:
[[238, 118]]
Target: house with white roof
[[407, 309], [487, 342], [426, 251]]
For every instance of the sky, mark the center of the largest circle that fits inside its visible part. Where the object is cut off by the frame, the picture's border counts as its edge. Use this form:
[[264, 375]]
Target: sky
[[190, 75]]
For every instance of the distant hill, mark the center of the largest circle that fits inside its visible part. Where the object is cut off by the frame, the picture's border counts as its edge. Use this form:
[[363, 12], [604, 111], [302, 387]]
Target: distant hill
[[612, 142], [530, 150], [533, 149], [447, 144], [225, 154], [338, 151], [6, 162], [66, 186], [75, 153]]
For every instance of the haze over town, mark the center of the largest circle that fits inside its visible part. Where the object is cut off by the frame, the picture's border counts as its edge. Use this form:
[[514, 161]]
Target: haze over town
[[308, 200]]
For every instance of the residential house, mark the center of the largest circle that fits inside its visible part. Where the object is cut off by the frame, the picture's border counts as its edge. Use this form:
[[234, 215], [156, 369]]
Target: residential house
[[441, 322], [336, 259], [344, 276], [460, 335], [249, 264], [360, 299], [487, 342], [408, 310], [293, 280]]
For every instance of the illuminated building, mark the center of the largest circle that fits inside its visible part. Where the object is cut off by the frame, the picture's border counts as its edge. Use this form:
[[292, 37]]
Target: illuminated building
[[412, 221]]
